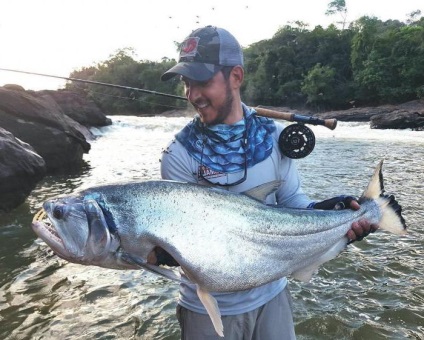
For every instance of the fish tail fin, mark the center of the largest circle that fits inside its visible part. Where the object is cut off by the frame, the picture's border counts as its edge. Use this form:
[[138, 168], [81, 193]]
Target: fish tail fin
[[391, 219]]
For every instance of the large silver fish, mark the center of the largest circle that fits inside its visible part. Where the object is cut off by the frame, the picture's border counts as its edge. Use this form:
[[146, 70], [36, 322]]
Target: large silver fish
[[222, 241]]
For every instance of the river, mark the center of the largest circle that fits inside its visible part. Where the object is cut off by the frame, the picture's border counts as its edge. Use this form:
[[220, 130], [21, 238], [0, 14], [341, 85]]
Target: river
[[373, 290]]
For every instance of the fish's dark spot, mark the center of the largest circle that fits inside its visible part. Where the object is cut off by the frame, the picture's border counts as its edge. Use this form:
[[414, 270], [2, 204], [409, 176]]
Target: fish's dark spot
[[159, 256]]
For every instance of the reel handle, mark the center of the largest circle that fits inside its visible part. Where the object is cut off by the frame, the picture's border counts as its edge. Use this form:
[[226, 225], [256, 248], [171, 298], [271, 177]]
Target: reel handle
[[292, 117]]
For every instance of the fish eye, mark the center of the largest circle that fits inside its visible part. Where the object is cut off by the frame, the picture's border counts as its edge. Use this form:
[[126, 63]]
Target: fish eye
[[58, 212]]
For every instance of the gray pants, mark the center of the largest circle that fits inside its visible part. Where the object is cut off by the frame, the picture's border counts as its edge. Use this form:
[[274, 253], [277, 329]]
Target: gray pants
[[272, 321]]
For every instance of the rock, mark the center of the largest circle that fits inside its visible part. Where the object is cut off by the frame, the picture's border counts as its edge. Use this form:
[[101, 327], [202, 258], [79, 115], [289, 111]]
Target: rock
[[408, 115], [398, 119], [77, 107], [40, 122], [20, 170], [360, 114], [14, 87]]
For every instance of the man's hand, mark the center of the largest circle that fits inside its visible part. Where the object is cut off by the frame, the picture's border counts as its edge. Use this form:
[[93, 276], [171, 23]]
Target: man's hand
[[361, 228]]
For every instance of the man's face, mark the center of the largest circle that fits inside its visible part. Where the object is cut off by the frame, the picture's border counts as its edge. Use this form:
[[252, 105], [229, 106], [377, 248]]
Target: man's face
[[212, 99]]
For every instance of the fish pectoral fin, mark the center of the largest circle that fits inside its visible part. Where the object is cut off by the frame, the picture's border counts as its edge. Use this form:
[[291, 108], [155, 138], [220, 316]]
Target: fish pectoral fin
[[305, 274], [211, 306], [138, 261], [261, 192]]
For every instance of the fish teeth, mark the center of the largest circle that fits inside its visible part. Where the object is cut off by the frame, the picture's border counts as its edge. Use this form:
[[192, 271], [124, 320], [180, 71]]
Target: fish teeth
[[40, 215]]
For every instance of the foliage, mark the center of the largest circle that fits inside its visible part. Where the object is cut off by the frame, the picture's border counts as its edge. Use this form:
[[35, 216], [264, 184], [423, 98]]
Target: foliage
[[338, 6], [319, 86], [388, 61], [276, 68], [121, 69], [369, 62]]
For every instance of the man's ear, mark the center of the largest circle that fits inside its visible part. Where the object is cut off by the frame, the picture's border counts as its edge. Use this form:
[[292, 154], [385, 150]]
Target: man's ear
[[237, 76]]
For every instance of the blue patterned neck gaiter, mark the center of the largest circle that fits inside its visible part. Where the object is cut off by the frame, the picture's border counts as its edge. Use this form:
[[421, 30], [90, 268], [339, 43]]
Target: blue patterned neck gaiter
[[221, 147]]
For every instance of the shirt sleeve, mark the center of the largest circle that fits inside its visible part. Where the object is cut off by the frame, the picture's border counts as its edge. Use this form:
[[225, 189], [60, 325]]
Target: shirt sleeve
[[290, 194], [176, 164]]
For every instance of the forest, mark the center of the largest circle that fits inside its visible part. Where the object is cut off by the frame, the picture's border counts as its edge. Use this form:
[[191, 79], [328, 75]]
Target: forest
[[367, 62]]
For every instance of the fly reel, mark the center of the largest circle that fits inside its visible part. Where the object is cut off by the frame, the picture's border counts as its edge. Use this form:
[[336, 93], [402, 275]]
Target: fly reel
[[296, 141]]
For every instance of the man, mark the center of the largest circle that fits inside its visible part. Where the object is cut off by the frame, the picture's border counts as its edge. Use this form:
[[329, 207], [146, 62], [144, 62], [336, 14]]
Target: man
[[229, 146]]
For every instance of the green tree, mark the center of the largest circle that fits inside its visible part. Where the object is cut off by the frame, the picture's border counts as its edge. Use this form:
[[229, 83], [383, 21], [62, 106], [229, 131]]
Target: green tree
[[319, 86], [338, 6], [370, 62], [387, 61], [122, 69], [276, 67]]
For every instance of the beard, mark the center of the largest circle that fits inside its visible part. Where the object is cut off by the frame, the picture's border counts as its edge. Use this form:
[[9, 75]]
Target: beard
[[226, 108]]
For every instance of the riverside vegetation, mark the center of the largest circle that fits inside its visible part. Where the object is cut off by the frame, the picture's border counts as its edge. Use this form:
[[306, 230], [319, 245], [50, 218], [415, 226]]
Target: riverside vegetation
[[368, 63]]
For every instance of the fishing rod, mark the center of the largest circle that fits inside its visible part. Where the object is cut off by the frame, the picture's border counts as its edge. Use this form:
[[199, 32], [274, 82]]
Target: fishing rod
[[292, 117], [99, 83]]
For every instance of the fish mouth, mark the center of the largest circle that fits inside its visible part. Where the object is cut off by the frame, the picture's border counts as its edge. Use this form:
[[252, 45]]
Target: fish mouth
[[45, 229]]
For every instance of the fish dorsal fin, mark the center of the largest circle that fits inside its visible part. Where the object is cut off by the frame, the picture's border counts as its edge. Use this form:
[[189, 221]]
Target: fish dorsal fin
[[261, 192], [211, 306]]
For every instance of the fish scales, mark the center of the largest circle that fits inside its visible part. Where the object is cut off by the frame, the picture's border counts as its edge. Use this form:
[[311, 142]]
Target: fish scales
[[243, 236], [221, 240]]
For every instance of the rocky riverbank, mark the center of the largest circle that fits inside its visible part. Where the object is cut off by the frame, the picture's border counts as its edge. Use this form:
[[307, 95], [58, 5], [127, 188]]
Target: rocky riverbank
[[408, 115], [41, 132], [44, 132]]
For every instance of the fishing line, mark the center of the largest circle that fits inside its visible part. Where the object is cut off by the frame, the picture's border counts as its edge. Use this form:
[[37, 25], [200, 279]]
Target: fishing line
[[132, 97], [295, 141], [329, 123], [99, 83]]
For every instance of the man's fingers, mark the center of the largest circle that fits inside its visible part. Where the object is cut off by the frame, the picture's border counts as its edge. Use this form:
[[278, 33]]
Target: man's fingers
[[354, 205], [351, 235], [360, 229]]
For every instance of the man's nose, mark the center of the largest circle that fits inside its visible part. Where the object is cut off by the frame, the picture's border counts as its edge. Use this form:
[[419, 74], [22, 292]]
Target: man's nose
[[192, 92]]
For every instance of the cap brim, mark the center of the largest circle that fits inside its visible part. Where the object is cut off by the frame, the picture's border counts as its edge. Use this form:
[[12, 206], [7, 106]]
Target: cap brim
[[192, 70]]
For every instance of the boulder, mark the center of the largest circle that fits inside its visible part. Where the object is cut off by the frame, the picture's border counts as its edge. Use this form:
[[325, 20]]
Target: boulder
[[408, 115], [398, 119], [14, 87], [20, 170], [77, 107], [57, 138], [359, 114]]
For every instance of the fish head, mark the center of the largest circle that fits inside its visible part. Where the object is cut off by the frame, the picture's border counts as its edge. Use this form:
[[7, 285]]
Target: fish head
[[76, 230]]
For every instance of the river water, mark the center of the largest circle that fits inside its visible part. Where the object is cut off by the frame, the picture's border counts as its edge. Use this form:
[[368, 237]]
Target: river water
[[373, 290]]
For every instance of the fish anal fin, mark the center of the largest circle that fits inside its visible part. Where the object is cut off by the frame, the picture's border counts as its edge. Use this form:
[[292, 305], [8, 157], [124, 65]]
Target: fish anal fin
[[211, 306], [305, 274]]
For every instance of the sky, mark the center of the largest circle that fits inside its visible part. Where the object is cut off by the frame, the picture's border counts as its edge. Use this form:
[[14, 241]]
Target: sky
[[59, 36]]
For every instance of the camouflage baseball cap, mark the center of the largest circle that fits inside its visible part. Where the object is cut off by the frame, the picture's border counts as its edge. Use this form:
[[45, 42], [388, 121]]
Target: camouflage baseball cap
[[205, 52]]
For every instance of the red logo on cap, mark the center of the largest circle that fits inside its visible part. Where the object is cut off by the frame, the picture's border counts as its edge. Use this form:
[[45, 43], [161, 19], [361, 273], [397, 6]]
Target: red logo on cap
[[189, 47]]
